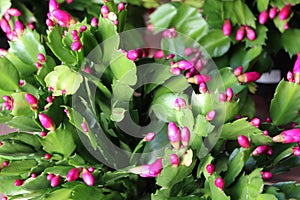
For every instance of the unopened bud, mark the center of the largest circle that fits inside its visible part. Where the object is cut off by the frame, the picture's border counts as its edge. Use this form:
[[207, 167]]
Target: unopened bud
[[185, 136], [243, 141], [251, 35], [263, 17], [248, 77], [296, 151], [174, 159], [210, 168], [174, 135], [266, 175], [88, 177], [240, 34], [46, 122], [227, 27], [219, 182], [273, 12], [149, 136], [179, 104], [55, 181], [210, 115], [285, 12]]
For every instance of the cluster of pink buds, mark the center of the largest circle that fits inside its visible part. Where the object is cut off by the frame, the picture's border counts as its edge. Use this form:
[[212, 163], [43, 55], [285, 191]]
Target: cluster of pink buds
[[288, 136], [148, 170], [47, 122], [111, 15], [54, 180], [134, 54], [263, 149], [58, 16], [32, 100], [243, 141], [8, 103], [248, 77], [227, 96], [176, 136], [169, 33], [41, 59], [179, 104], [295, 75], [77, 45], [240, 34], [284, 14]]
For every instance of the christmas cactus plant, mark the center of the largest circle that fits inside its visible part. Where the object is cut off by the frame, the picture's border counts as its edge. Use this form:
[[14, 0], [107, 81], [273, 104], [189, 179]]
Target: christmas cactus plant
[[147, 100]]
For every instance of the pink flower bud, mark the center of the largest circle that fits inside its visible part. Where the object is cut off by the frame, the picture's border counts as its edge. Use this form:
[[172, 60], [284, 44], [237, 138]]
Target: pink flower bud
[[76, 46], [175, 70], [50, 176], [169, 33], [84, 127], [273, 12], [43, 134], [265, 132], [148, 170], [185, 136], [4, 198], [5, 163], [199, 78], [266, 175], [229, 94], [48, 156], [288, 136], [219, 182], [260, 150], [91, 169], [179, 104], [132, 55], [296, 151], [3, 52], [19, 27], [240, 34], [140, 52], [255, 122], [38, 65], [49, 99], [251, 35], [170, 56], [47, 122], [159, 54], [14, 12], [82, 28], [238, 71], [286, 26], [18, 182], [222, 97], [33, 175], [243, 141], [62, 17], [263, 17], [31, 25], [76, 38], [32, 101], [88, 177], [53, 5], [285, 12], [227, 27], [210, 115], [73, 174], [210, 168], [184, 65], [248, 77], [202, 88], [174, 159], [74, 32], [104, 10], [290, 77], [49, 23], [296, 71], [41, 58], [174, 135], [55, 181], [5, 26], [121, 6], [199, 65], [149, 137], [1, 143], [94, 22], [188, 51]]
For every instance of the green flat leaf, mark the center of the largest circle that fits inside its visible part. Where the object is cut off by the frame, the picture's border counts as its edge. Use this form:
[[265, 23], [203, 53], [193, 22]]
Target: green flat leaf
[[202, 103], [27, 47], [83, 191], [284, 154], [290, 189], [213, 13], [61, 194], [58, 48], [275, 191], [24, 123], [173, 45], [63, 78], [4, 5], [215, 192], [159, 19], [285, 104], [266, 197], [60, 170], [291, 46], [26, 138], [202, 127], [202, 166], [38, 183], [59, 141], [21, 106], [7, 185], [215, 43], [9, 75], [248, 186], [16, 168], [262, 5]]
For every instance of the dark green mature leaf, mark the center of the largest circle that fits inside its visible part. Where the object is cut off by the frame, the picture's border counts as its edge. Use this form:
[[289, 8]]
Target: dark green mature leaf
[[61, 194], [292, 46], [27, 47], [215, 43], [59, 141], [202, 166], [9, 75], [24, 123], [26, 138], [248, 186], [285, 104], [4, 5], [290, 189], [243, 57], [213, 13], [159, 19], [38, 183]]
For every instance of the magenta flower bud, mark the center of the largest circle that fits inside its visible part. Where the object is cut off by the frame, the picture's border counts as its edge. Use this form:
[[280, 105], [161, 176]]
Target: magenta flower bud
[[149, 137], [33, 175], [91, 169], [210, 168], [5, 26], [219, 182], [185, 136], [19, 27], [251, 35], [3, 52], [4, 198], [121, 6], [31, 25], [38, 65], [76, 38], [104, 10], [55, 181], [222, 97], [170, 56], [149, 170], [116, 22], [94, 22], [263, 17], [290, 77], [5, 163], [240, 34], [50, 176], [76, 46], [229, 94], [285, 12], [296, 151], [202, 88], [174, 159], [49, 23], [255, 122], [62, 17], [238, 71], [260, 150], [14, 12], [32, 101], [82, 28], [48, 156], [286, 26], [41, 58], [47, 122], [18, 182], [84, 127], [169, 33], [265, 132], [73, 174], [43, 134], [227, 28], [88, 177], [288, 136], [49, 99], [248, 77], [7, 98], [273, 12], [199, 65], [175, 70], [179, 104], [53, 5], [243, 141], [199, 78], [174, 135], [266, 175], [69, 1], [296, 70], [188, 51], [159, 54], [184, 65], [1, 143], [132, 55], [210, 115]]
